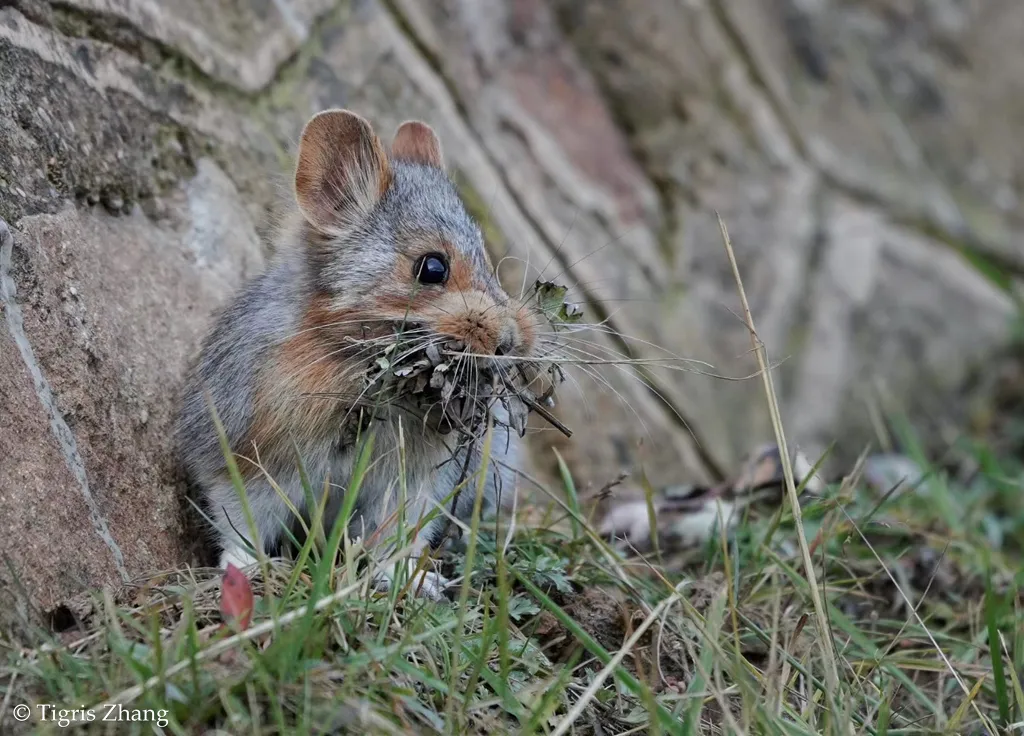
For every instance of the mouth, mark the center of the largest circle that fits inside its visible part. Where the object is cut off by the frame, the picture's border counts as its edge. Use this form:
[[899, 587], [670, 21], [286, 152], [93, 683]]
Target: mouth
[[453, 391]]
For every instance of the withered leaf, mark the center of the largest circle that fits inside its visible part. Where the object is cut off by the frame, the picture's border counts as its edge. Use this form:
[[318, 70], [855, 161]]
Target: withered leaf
[[551, 300], [236, 598]]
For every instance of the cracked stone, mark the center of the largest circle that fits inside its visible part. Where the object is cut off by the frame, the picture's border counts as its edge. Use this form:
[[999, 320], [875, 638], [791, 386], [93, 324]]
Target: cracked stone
[[913, 100], [241, 43], [726, 158], [148, 309]]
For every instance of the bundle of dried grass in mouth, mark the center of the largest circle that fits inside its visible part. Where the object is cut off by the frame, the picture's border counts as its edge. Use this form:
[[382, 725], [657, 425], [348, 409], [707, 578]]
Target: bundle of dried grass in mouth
[[454, 390]]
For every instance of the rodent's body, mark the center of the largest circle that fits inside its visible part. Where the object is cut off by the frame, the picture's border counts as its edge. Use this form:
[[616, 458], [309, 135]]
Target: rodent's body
[[284, 365]]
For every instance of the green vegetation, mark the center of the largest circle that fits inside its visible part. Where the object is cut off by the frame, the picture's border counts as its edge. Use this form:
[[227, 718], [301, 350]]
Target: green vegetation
[[554, 632], [913, 622]]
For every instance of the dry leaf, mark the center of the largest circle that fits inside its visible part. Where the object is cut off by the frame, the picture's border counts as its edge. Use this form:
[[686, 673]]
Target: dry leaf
[[551, 300]]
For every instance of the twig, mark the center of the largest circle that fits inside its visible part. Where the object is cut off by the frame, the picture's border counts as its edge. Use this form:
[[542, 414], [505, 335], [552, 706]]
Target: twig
[[547, 415], [459, 485], [832, 669]]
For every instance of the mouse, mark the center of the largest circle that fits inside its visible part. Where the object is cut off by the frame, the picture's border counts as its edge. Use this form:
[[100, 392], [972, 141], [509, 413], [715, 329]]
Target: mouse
[[377, 261]]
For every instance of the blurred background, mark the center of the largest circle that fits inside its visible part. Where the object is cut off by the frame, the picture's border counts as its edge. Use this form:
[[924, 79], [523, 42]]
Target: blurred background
[[864, 156]]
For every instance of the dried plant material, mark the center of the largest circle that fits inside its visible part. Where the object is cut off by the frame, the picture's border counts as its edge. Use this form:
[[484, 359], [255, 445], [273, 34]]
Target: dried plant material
[[454, 391]]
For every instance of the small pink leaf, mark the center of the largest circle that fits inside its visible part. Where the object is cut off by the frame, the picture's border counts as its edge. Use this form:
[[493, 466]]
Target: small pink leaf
[[236, 600]]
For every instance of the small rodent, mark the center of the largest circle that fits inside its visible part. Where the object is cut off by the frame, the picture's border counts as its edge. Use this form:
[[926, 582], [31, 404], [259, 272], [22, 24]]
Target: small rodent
[[380, 239]]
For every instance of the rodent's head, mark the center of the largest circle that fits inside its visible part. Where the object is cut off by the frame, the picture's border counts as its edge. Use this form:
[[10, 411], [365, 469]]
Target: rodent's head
[[391, 242]]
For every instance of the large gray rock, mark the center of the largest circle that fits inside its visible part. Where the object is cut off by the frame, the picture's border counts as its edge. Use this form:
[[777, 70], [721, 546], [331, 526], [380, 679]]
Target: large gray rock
[[145, 154], [726, 109], [242, 44], [915, 105], [102, 315], [125, 236]]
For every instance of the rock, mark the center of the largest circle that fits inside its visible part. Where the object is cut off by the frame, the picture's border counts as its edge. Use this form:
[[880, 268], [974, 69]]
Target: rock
[[82, 120], [894, 314], [49, 536], [887, 471], [915, 108], [242, 44], [725, 136], [102, 315]]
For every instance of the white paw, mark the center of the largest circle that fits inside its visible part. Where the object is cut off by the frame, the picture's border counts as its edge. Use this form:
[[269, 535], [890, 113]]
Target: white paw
[[238, 557], [425, 583]]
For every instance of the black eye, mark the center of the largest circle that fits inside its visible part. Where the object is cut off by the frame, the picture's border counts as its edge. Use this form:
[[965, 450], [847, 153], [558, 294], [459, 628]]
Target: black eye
[[431, 269]]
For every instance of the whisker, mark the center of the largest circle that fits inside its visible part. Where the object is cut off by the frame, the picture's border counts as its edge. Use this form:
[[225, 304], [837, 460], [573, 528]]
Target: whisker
[[616, 239], [627, 338], [602, 381], [555, 253]]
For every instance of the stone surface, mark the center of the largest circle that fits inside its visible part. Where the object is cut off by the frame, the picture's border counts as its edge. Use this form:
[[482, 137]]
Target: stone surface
[[863, 159], [894, 316], [242, 43], [103, 313], [45, 513], [918, 104], [720, 134], [81, 119]]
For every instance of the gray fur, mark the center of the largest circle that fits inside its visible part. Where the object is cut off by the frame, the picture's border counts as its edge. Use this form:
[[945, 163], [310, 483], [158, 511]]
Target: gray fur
[[421, 199], [266, 312]]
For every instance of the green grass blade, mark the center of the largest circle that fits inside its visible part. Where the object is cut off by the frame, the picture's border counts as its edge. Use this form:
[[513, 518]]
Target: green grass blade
[[572, 497], [1001, 681]]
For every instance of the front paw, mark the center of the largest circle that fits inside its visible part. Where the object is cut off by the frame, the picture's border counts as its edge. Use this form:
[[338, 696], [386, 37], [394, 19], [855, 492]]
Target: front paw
[[422, 583], [235, 555]]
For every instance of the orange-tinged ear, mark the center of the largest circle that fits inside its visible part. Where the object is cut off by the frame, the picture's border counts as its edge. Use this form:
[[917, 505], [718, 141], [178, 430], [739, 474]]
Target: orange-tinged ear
[[342, 170], [417, 142]]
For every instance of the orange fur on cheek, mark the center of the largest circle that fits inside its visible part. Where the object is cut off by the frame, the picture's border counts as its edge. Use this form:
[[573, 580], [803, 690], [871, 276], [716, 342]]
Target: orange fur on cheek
[[460, 276]]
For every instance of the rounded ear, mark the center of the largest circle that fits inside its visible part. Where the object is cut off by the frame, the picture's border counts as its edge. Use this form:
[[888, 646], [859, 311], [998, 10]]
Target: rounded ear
[[342, 169], [417, 142]]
